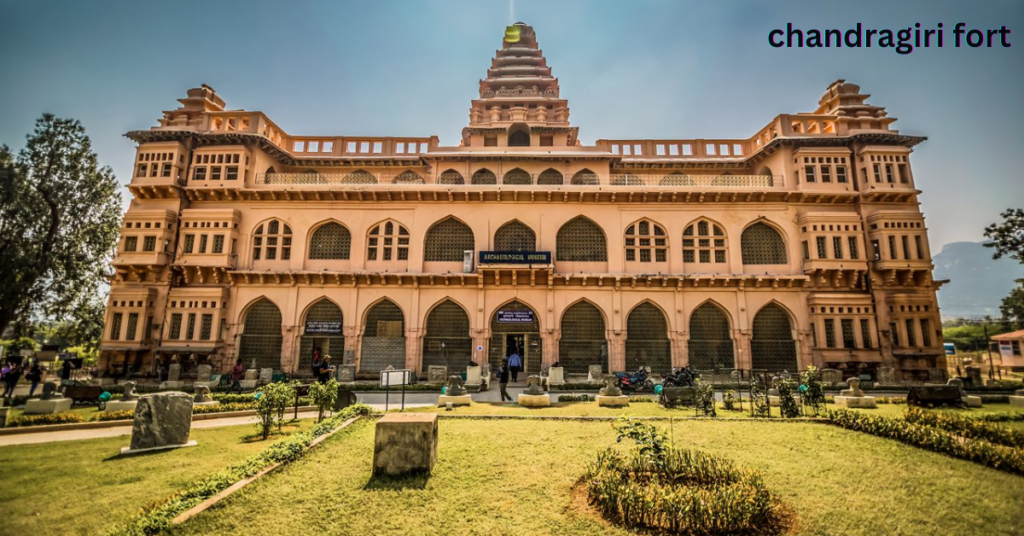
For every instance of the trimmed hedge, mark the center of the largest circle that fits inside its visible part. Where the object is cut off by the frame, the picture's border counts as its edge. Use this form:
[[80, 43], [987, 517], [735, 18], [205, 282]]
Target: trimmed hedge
[[576, 398], [580, 386], [222, 407], [158, 517], [125, 414], [48, 418], [966, 426], [931, 438]]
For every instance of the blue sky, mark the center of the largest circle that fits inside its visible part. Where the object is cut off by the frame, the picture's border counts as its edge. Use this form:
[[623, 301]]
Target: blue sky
[[630, 69]]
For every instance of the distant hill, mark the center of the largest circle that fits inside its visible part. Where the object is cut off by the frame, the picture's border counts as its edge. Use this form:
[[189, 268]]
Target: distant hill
[[978, 282]]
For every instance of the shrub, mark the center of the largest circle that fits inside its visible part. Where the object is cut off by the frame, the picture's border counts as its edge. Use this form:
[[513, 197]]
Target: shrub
[[580, 386], [270, 405], [323, 396], [49, 418], [125, 414], [932, 438], [813, 394], [759, 398], [704, 397], [222, 407], [644, 399], [232, 398], [787, 404], [966, 426], [1015, 416], [729, 400]]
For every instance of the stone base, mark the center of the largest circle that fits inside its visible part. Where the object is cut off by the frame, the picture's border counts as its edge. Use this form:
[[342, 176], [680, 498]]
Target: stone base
[[405, 443], [208, 385], [37, 406], [556, 376], [862, 402], [534, 401], [1017, 401], [972, 401], [464, 400], [210, 403], [774, 401], [127, 451], [172, 385], [247, 384], [121, 405], [612, 401]]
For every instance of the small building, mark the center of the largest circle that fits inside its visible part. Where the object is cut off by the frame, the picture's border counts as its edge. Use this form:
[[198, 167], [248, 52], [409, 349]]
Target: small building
[[1010, 349]]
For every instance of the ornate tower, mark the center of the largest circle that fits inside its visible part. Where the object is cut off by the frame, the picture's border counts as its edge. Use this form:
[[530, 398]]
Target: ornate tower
[[519, 104]]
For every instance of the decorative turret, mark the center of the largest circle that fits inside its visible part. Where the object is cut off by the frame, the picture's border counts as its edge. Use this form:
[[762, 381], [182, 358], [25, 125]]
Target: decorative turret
[[848, 104], [200, 100], [519, 104]]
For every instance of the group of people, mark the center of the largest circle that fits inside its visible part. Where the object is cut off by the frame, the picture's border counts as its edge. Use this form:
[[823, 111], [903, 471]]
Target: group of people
[[12, 372]]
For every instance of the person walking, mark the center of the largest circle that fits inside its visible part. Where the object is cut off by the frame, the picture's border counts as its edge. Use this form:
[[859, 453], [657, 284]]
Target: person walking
[[34, 376], [11, 379], [503, 373], [65, 373], [325, 370], [515, 364], [237, 373]]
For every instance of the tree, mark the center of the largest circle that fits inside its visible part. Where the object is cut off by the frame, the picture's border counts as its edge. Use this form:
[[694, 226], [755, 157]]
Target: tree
[[59, 220], [1007, 237], [1013, 304]]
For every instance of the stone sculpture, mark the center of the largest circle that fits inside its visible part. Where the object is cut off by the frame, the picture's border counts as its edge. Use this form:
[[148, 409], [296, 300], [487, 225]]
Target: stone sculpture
[[202, 395], [533, 386], [455, 386], [129, 392], [854, 397], [611, 387], [162, 421]]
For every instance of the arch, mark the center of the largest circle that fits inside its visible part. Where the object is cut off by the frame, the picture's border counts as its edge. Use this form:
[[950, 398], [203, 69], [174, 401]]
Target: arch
[[517, 177], [272, 240], [322, 333], [260, 341], [383, 337], [270, 171], [447, 341], [515, 236], [761, 243], [504, 333], [359, 176], [580, 239], [408, 177], [704, 241], [450, 176], [585, 177], [647, 342], [519, 135], [583, 341], [446, 241], [330, 241], [550, 176], [646, 241], [484, 176], [386, 241], [772, 346], [676, 179], [710, 344]]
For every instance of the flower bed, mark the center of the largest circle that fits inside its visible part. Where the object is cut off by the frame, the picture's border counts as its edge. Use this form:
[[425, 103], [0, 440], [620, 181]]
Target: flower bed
[[968, 427], [48, 418]]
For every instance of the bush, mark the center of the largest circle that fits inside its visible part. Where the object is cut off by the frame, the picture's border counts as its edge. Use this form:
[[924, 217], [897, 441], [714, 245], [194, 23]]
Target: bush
[[223, 407], [704, 397], [49, 418], [270, 405], [787, 404], [125, 414], [729, 400], [580, 386], [933, 439], [759, 398], [813, 395], [234, 398], [966, 426], [323, 396]]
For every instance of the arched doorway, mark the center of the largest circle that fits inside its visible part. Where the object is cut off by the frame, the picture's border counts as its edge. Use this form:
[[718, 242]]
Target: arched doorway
[[260, 344], [447, 341], [772, 346], [710, 344], [647, 342], [383, 338], [515, 327], [322, 331], [583, 340]]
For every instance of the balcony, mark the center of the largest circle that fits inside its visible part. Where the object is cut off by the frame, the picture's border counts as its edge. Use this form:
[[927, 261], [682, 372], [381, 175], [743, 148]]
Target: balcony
[[674, 181], [699, 181]]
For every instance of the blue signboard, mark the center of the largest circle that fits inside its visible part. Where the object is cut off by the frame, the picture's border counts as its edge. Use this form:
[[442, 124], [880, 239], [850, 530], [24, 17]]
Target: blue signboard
[[515, 257], [950, 348], [518, 316]]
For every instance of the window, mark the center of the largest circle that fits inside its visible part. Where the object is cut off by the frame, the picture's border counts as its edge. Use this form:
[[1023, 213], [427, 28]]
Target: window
[[149, 243], [388, 241], [131, 243], [1015, 346], [837, 246], [919, 244], [893, 254], [878, 173], [822, 249], [809, 173], [846, 325], [175, 332], [906, 246], [447, 240], [199, 174], [190, 242], [852, 243], [166, 170], [826, 174], [133, 324], [202, 243], [877, 248], [894, 334], [515, 236], [484, 176], [761, 244], [191, 330], [888, 173], [911, 336], [807, 251], [840, 173], [142, 170], [215, 173], [703, 241], [330, 241], [218, 243], [115, 326], [904, 174], [830, 333], [206, 327], [232, 173], [646, 242], [926, 336], [272, 240], [581, 240], [865, 332]]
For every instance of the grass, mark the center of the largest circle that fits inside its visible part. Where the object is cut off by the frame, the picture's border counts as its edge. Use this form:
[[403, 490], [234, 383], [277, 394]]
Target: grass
[[516, 477], [83, 488]]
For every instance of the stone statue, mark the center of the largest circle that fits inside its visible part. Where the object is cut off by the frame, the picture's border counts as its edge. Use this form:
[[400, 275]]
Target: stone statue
[[50, 392], [854, 389], [610, 388], [455, 386], [736, 375], [129, 392], [202, 395], [533, 386]]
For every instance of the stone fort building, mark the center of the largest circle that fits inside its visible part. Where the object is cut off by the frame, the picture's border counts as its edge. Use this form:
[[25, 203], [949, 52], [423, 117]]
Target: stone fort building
[[801, 244]]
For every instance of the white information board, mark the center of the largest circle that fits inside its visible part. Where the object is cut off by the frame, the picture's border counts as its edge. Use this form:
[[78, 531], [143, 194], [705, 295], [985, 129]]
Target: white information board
[[395, 377]]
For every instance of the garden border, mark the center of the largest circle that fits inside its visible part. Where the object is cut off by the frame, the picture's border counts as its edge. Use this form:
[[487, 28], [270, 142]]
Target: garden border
[[16, 430]]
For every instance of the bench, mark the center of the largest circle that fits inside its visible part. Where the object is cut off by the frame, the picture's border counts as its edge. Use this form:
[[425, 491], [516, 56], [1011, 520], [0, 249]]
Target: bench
[[930, 396], [83, 394]]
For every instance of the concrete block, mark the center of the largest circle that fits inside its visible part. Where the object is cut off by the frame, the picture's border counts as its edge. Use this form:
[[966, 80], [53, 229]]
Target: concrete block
[[972, 401], [774, 401], [534, 401], [1017, 401], [121, 405], [852, 402], [405, 443], [612, 401], [247, 384], [556, 376], [463, 400], [36, 406]]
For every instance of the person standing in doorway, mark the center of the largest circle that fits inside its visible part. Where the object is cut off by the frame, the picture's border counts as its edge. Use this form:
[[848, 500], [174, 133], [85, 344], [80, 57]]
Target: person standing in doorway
[[515, 364], [503, 374]]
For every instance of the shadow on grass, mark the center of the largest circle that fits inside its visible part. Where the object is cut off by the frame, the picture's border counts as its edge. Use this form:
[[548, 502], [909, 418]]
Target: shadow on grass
[[397, 483]]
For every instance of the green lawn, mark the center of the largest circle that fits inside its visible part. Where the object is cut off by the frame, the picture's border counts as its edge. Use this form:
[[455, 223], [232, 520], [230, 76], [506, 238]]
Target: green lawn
[[83, 487], [515, 477]]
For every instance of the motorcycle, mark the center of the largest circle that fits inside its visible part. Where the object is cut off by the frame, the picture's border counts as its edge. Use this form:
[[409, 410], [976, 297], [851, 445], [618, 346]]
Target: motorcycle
[[635, 381], [679, 377]]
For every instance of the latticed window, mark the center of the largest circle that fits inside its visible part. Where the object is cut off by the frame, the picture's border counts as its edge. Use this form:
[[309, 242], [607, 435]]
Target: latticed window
[[260, 343], [330, 241], [447, 341], [830, 333], [854, 251], [515, 236], [133, 325], [849, 341], [583, 340], [359, 177], [385, 319], [822, 250], [190, 243], [517, 176], [131, 243], [911, 335], [647, 342], [581, 240], [272, 240], [646, 241], [710, 342], [926, 335], [149, 243], [323, 313], [484, 176], [771, 344], [703, 241], [447, 240], [761, 244], [550, 177], [387, 241], [408, 177], [383, 342], [450, 177], [206, 327], [115, 326], [190, 331], [676, 179], [175, 332], [585, 177], [218, 243], [893, 254], [837, 246], [865, 332]]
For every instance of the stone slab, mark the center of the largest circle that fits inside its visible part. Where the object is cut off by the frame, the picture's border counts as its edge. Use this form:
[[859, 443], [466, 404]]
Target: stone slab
[[774, 401], [120, 405], [534, 401], [347, 373], [39, 407], [464, 400], [127, 451], [972, 401], [473, 375], [862, 402], [247, 384], [1017, 401], [612, 401], [556, 376], [405, 443], [160, 420]]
